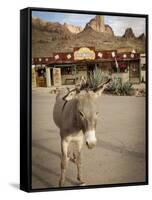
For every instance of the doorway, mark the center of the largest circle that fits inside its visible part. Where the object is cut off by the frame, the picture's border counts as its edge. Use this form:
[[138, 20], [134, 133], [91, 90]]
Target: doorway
[[90, 70], [134, 72], [41, 77]]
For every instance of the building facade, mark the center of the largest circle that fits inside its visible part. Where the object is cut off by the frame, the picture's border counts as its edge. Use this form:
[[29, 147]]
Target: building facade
[[65, 68]]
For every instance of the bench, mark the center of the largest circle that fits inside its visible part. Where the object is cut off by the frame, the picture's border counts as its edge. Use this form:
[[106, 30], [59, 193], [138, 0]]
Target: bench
[[67, 80]]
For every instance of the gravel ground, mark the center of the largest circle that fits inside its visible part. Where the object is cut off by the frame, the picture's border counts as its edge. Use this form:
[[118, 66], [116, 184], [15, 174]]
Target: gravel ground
[[119, 156]]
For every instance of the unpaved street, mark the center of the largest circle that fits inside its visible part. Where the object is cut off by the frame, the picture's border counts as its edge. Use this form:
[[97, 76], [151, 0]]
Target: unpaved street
[[119, 156]]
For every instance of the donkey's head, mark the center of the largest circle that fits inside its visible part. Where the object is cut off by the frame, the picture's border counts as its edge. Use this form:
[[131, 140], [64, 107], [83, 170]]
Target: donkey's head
[[87, 116], [86, 111]]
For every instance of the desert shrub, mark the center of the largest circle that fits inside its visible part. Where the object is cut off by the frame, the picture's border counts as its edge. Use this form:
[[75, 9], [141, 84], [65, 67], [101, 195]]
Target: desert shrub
[[127, 88], [96, 78], [116, 86]]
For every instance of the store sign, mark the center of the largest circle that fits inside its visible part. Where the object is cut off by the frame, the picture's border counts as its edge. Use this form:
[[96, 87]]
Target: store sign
[[57, 76], [84, 53]]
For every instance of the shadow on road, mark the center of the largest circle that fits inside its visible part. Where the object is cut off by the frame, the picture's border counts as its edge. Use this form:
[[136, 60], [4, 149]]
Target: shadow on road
[[52, 131], [50, 171], [44, 148], [119, 149], [42, 180]]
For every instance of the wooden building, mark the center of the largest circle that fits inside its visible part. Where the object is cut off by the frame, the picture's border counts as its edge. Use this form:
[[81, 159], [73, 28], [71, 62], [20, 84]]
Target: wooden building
[[66, 68]]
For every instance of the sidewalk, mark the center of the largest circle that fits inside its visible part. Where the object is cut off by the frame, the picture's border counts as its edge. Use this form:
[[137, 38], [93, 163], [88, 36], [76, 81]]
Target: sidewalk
[[52, 88], [140, 88]]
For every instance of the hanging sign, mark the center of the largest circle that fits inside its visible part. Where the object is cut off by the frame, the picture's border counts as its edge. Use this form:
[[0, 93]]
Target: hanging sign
[[84, 53]]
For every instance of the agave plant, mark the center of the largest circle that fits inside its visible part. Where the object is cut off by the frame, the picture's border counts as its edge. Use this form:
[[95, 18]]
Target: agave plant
[[96, 78], [118, 87], [127, 87]]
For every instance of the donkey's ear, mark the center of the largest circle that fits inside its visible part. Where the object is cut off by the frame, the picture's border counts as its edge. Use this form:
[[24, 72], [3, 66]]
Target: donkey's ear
[[70, 95], [98, 92], [100, 89]]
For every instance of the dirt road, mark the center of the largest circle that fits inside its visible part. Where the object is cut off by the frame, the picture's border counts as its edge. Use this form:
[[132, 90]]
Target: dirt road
[[119, 156]]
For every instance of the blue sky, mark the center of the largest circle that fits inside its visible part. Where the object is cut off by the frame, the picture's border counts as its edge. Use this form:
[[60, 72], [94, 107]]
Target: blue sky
[[118, 24]]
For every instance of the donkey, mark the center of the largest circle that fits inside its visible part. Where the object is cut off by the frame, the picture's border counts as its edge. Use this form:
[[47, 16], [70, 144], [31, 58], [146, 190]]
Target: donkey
[[75, 114]]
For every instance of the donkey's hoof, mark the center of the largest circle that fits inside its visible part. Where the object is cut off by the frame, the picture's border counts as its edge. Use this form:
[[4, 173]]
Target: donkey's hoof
[[82, 184]]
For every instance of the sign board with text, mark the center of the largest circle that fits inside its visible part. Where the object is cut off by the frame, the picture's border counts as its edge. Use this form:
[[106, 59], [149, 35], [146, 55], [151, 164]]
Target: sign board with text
[[84, 53]]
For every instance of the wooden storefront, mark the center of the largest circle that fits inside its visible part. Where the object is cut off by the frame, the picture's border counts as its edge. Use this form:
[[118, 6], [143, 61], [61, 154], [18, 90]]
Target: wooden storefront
[[84, 60]]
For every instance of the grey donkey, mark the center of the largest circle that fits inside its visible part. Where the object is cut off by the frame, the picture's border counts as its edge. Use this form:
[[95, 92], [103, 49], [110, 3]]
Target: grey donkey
[[75, 114]]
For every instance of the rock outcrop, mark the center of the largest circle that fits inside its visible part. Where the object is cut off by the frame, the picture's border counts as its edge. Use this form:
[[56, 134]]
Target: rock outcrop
[[49, 26], [129, 34], [73, 28], [109, 30], [141, 37], [96, 24]]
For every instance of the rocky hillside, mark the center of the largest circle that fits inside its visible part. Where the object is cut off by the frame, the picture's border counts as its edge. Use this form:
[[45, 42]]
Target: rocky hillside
[[48, 37], [53, 28]]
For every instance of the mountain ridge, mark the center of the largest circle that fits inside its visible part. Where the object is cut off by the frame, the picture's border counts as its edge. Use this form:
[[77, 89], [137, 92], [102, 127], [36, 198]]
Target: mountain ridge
[[49, 37]]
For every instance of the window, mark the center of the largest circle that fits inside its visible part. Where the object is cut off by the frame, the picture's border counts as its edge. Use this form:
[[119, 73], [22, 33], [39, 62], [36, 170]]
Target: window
[[70, 70], [66, 71], [122, 67]]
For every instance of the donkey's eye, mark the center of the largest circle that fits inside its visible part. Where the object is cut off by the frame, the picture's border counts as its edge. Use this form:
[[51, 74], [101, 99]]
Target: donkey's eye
[[81, 114]]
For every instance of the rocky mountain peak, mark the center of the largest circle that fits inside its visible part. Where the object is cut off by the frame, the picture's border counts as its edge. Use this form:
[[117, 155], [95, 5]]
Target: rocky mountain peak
[[129, 33], [96, 24], [141, 37]]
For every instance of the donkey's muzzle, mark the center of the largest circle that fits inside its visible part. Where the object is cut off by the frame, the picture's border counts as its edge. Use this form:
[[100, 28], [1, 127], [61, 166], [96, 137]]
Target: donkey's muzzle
[[90, 139], [91, 145]]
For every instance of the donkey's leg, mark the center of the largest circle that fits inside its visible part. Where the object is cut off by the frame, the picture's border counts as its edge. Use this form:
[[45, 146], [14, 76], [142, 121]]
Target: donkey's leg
[[79, 162], [64, 161]]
